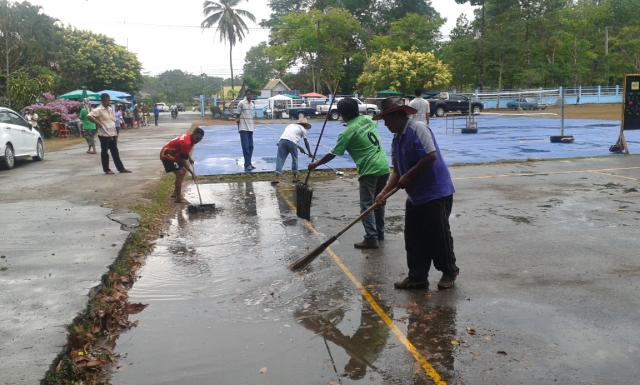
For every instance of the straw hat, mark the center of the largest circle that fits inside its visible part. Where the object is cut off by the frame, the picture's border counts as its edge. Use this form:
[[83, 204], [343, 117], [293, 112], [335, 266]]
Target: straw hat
[[303, 122], [391, 105]]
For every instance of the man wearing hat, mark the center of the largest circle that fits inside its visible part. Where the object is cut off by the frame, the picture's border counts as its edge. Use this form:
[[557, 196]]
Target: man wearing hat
[[418, 167], [288, 144], [361, 140]]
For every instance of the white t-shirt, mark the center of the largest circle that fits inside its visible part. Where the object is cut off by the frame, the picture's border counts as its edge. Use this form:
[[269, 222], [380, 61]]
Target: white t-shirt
[[245, 111], [294, 132], [423, 109]]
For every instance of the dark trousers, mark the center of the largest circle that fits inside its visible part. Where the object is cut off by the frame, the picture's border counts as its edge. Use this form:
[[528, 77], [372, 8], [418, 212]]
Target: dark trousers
[[246, 141], [110, 144], [370, 187], [427, 237], [155, 118]]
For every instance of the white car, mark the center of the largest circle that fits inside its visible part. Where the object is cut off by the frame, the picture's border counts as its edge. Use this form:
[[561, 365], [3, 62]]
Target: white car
[[18, 139], [163, 107]]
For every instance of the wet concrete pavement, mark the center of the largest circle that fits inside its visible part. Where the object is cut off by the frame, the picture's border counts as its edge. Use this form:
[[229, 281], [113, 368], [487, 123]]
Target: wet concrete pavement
[[547, 292], [57, 239]]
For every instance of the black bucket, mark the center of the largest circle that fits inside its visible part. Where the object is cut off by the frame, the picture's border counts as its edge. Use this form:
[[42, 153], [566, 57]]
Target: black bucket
[[303, 201]]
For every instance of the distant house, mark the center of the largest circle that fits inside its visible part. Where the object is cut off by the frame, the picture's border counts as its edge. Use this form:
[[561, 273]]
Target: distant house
[[274, 87]]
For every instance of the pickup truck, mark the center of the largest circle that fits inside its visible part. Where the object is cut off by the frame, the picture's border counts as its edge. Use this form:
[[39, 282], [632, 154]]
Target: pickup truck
[[525, 104], [297, 112], [445, 102], [323, 109]]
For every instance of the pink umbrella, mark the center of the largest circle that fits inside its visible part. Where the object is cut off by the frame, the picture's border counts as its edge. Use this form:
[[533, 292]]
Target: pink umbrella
[[313, 95]]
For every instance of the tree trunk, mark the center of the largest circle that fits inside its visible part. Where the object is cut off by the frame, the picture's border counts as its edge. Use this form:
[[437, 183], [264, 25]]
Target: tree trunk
[[6, 55], [231, 66]]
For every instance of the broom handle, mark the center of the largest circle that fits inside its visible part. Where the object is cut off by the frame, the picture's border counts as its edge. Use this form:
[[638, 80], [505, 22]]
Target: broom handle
[[366, 212], [326, 118], [193, 174]]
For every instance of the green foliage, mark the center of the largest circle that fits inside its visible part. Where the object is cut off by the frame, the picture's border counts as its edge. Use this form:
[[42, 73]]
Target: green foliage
[[259, 67], [24, 90], [412, 30], [323, 41], [176, 86], [403, 71], [97, 62]]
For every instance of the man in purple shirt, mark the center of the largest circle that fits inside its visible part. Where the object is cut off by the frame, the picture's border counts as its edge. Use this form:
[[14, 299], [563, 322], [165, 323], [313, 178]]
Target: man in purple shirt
[[418, 168]]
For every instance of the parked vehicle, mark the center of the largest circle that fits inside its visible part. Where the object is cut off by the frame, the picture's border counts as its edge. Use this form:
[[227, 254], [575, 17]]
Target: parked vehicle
[[163, 107], [445, 102], [297, 112], [18, 139], [526, 104], [323, 109]]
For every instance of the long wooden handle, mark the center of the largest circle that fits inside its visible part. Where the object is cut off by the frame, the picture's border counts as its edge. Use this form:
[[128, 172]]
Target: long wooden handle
[[366, 212], [193, 174], [326, 118]]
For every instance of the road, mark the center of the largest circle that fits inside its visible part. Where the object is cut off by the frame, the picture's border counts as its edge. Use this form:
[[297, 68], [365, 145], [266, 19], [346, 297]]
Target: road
[[58, 240], [547, 292]]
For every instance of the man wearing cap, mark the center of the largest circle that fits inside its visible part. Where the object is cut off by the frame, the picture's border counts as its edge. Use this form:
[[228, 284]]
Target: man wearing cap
[[361, 140], [288, 144], [105, 119], [418, 167]]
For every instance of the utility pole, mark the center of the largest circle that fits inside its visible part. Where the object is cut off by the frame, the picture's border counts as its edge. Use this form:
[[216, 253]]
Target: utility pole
[[606, 54]]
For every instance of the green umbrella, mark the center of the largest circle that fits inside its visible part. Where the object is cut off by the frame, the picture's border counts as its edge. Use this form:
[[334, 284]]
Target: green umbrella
[[77, 95]]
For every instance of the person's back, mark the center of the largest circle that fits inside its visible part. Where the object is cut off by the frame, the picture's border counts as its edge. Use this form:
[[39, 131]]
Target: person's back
[[420, 105], [361, 140]]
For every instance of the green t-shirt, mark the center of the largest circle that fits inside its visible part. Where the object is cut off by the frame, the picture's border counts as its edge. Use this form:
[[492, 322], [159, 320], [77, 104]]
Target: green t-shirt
[[360, 139], [86, 123]]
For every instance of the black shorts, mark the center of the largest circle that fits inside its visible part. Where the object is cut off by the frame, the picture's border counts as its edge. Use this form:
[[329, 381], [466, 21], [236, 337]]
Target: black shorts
[[170, 166]]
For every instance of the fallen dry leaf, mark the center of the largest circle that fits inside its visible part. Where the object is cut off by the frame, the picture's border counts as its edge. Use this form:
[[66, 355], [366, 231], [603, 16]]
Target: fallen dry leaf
[[455, 342], [471, 331], [135, 308]]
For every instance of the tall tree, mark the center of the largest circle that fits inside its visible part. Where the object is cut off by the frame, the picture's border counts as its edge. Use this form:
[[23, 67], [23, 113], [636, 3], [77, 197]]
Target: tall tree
[[230, 24], [259, 67]]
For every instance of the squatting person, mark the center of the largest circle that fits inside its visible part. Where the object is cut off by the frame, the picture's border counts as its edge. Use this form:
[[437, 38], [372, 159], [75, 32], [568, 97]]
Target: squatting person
[[176, 158], [105, 119], [288, 144], [361, 140], [418, 167]]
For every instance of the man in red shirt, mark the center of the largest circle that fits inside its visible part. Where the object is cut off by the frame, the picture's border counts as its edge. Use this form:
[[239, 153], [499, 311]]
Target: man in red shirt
[[176, 158]]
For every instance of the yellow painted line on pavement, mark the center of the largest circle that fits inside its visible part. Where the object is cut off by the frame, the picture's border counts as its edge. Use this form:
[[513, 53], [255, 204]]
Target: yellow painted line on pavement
[[617, 176], [426, 366], [603, 170]]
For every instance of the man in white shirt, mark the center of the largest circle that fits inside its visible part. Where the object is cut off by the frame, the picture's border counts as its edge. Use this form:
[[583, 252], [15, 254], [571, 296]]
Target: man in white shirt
[[105, 119], [246, 126], [288, 144], [422, 106]]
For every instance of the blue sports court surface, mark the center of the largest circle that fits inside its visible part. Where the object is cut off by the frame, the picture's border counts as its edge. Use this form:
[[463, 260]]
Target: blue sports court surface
[[499, 138]]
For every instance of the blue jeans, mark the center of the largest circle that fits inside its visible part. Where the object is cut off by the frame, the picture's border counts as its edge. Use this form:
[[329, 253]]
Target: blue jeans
[[246, 141], [286, 147], [370, 187]]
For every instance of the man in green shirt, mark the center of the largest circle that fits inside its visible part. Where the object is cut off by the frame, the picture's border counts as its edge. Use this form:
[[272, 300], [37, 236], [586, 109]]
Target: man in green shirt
[[88, 127], [360, 139]]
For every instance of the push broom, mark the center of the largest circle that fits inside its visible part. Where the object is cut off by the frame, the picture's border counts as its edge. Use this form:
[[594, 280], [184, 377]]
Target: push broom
[[307, 259], [304, 193]]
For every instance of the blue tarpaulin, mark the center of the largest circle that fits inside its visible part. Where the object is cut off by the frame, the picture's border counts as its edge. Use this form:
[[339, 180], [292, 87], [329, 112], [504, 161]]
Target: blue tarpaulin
[[499, 138]]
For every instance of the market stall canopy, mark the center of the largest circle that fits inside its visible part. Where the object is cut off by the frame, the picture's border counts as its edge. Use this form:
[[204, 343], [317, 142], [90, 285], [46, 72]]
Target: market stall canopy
[[281, 97], [115, 94], [388, 93], [313, 95], [77, 95], [292, 96]]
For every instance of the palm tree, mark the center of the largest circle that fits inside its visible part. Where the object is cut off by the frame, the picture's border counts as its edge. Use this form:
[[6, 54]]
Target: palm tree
[[231, 26]]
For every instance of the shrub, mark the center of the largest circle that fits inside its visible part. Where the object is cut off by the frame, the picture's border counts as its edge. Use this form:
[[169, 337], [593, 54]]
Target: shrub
[[216, 111], [62, 111]]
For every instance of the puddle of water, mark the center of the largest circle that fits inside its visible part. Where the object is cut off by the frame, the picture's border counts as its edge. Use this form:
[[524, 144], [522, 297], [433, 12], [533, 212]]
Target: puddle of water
[[223, 306]]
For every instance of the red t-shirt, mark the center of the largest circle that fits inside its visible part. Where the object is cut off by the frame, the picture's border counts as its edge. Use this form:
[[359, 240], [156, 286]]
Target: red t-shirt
[[178, 148]]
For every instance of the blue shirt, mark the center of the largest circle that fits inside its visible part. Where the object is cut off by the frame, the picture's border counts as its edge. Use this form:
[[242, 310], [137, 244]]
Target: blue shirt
[[408, 148]]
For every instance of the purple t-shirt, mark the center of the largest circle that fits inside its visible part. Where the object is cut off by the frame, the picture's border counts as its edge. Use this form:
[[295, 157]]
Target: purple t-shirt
[[414, 143]]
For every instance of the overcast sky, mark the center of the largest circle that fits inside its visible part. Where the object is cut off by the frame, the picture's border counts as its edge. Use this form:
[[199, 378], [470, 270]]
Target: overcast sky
[[166, 35]]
